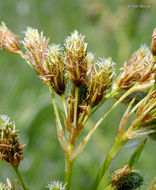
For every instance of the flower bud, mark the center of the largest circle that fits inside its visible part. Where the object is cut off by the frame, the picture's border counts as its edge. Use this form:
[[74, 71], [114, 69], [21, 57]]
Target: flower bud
[[55, 68], [145, 121], [56, 185], [8, 40], [4, 187], [10, 149], [153, 43], [100, 80], [126, 179], [76, 50]]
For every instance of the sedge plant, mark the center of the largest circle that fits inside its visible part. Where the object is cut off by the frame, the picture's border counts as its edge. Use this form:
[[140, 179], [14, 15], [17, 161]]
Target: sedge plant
[[90, 84]]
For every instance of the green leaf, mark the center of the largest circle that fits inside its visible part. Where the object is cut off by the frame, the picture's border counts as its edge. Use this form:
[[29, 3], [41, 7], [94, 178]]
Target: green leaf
[[136, 155]]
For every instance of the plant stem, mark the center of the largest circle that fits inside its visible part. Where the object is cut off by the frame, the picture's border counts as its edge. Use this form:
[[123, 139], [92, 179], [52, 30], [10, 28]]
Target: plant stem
[[109, 187], [111, 155], [75, 106], [20, 178], [84, 142], [64, 105], [116, 103], [60, 131], [55, 107], [68, 172]]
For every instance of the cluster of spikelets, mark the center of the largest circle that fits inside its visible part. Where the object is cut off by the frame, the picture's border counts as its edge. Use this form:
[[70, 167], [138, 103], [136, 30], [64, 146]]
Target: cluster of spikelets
[[10, 149], [54, 66], [126, 179], [56, 185], [4, 187], [90, 81]]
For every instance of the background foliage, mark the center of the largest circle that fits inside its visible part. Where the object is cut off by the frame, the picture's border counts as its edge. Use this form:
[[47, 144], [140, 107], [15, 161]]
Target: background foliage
[[111, 29]]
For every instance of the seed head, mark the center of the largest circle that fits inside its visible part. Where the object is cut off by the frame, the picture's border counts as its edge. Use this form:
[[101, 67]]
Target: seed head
[[153, 43], [56, 185], [8, 40], [126, 179], [55, 68], [4, 187], [100, 80], [10, 149], [76, 50], [140, 69]]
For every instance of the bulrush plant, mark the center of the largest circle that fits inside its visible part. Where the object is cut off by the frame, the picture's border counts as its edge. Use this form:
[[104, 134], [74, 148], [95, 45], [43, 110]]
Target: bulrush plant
[[84, 85]]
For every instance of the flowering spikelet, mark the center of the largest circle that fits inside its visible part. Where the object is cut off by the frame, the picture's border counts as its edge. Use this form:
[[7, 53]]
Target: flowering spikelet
[[35, 45], [4, 187], [56, 185], [10, 149], [153, 43], [141, 68], [126, 179], [76, 50], [55, 68], [100, 80], [8, 40], [145, 122], [46, 60]]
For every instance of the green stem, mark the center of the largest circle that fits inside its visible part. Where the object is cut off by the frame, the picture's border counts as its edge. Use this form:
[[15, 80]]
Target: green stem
[[114, 105], [64, 105], [68, 172], [109, 187], [20, 178], [84, 142], [110, 157], [60, 131], [75, 106], [55, 107]]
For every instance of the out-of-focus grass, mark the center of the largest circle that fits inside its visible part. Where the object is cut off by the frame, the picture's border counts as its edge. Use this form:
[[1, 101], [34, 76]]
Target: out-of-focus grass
[[26, 100]]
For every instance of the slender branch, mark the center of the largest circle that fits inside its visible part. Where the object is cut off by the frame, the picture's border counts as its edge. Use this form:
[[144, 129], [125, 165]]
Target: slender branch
[[60, 131], [75, 106], [111, 155], [55, 107], [64, 105], [68, 172], [20, 178], [83, 143]]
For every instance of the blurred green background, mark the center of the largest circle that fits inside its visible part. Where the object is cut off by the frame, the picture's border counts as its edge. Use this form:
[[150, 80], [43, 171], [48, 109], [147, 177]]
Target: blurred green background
[[111, 29]]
